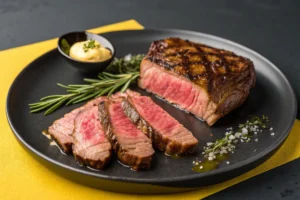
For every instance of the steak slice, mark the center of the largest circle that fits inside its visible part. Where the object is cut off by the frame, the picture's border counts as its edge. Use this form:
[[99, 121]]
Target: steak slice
[[166, 133], [133, 147], [90, 146], [205, 81], [61, 130]]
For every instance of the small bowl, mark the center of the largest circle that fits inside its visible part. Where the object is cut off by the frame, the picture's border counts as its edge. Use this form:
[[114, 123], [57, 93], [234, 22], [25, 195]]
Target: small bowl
[[85, 66]]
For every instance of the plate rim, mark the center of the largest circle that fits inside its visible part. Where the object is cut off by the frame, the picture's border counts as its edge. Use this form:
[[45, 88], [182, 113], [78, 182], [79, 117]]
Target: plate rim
[[162, 181]]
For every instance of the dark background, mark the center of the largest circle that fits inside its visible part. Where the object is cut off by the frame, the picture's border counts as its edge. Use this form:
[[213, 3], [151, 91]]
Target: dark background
[[271, 28]]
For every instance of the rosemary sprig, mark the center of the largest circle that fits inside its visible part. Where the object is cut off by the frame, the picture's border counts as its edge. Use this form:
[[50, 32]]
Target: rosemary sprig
[[119, 75]]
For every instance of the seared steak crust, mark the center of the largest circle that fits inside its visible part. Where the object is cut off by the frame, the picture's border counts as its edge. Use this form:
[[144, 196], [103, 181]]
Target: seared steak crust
[[134, 150], [203, 65], [223, 76]]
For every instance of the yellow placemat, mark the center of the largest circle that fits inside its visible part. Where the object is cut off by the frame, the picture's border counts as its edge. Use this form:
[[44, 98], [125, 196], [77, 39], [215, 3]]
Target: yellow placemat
[[22, 177]]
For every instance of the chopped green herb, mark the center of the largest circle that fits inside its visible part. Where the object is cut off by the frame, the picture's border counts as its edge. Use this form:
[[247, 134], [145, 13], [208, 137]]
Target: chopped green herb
[[90, 45]]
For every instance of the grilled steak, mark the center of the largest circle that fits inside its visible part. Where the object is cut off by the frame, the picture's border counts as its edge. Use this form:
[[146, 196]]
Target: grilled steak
[[132, 146], [90, 146], [166, 133], [61, 130], [205, 81]]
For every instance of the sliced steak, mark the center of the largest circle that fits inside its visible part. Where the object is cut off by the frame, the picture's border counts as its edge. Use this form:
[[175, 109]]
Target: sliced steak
[[61, 130], [90, 146], [166, 133], [205, 81], [132, 146]]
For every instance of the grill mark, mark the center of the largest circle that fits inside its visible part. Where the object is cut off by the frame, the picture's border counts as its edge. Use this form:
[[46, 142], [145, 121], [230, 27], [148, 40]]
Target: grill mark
[[213, 69]]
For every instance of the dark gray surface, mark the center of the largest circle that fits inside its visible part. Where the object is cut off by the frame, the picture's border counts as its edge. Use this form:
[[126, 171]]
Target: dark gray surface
[[269, 27]]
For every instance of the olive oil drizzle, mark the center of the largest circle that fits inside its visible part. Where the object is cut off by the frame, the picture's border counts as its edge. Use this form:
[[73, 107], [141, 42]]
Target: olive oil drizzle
[[209, 165]]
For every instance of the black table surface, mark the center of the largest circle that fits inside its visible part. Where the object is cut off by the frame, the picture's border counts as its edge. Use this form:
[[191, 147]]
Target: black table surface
[[269, 27]]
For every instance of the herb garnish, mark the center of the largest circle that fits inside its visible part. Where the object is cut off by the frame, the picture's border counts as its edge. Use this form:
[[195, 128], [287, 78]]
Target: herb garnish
[[65, 46], [118, 76], [90, 45], [243, 134]]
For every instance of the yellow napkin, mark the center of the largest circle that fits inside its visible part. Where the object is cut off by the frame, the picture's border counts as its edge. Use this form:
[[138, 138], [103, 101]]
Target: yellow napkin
[[22, 177]]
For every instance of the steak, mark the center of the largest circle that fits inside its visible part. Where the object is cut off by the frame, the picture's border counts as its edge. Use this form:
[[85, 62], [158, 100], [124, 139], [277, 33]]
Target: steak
[[90, 146], [205, 81], [61, 130], [166, 133], [132, 146]]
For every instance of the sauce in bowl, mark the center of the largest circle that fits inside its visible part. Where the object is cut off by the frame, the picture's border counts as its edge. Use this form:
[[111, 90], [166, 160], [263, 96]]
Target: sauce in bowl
[[89, 51]]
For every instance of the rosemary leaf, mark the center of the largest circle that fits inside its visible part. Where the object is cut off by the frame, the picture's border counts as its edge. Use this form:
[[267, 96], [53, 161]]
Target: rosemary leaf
[[116, 86], [63, 86], [53, 108], [74, 99], [124, 88], [88, 80], [86, 97], [44, 106], [50, 97]]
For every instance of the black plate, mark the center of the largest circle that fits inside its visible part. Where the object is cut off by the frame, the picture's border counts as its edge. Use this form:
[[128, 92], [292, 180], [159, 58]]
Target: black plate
[[272, 96]]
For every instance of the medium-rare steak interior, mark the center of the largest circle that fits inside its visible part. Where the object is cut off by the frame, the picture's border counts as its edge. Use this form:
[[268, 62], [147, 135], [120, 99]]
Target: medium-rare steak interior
[[61, 130], [90, 146], [166, 133], [132, 146], [205, 81]]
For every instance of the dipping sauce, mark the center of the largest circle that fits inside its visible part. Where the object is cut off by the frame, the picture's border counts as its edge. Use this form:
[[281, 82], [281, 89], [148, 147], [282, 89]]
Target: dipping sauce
[[90, 50]]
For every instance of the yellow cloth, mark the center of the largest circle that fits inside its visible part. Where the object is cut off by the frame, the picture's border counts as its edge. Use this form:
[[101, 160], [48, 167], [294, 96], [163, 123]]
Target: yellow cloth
[[22, 177]]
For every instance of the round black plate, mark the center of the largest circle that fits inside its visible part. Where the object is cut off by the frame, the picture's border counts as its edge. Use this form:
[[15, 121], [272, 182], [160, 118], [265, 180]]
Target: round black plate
[[272, 96]]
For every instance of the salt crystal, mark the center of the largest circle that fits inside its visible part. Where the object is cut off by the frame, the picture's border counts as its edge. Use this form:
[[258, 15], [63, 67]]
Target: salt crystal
[[209, 144], [244, 131], [127, 57], [237, 134], [231, 137]]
